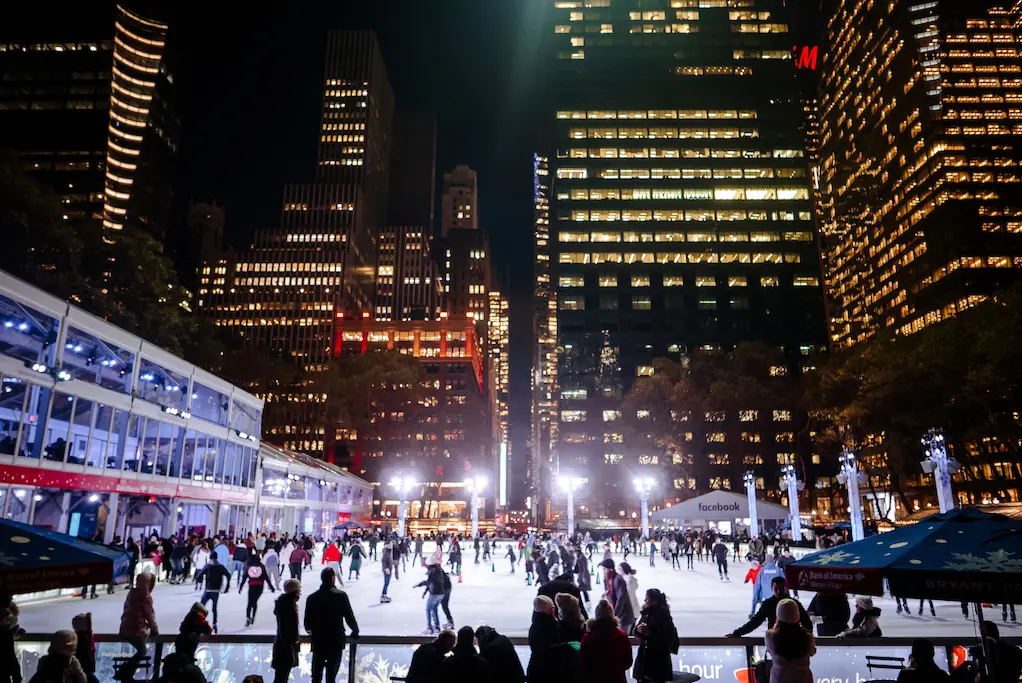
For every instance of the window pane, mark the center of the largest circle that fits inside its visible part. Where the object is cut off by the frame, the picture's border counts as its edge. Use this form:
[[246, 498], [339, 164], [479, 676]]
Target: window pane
[[78, 449], [175, 454], [188, 454], [245, 418], [12, 401], [161, 386], [133, 444], [92, 359], [209, 404], [26, 334], [57, 427], [150, 443], [118, 438], [227, 466], [100, 438], [163, 448]]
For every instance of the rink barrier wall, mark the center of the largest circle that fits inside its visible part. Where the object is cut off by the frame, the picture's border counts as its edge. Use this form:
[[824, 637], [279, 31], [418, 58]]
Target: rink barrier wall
[[692, 650]]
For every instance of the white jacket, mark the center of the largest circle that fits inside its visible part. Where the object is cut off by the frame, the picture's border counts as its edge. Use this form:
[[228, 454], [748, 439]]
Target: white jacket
[[633, 594]]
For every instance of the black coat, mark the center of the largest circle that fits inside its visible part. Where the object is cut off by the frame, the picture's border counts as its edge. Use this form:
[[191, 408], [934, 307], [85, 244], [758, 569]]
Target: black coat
[[285, 645], [426, 663], [464, 666], [563, 584], [500, 654], [653, 660], [542, 638], [834, 610], [326, 610]]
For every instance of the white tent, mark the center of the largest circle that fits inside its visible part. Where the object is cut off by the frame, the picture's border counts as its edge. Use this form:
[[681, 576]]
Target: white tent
[[719, 506]]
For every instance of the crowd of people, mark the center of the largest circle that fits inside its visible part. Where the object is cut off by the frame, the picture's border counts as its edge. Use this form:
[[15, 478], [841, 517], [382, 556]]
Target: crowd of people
[[566, 642]]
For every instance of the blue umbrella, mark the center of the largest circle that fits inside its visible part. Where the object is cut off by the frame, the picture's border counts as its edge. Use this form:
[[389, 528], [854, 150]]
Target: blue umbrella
[[349, 525], [961, 555], [36, 559]]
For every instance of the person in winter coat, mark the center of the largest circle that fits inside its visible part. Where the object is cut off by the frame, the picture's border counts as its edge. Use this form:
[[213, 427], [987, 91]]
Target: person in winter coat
[[757, 548], [10, 669], [864, 623], [616, 593], [239, 560], [272, 562], [626, 572], [606, 653], [581, 569], [768, 611], [921, 667], [217, 579], [657, 640], [542, 639], [429, 657], [570, 626], [833, 609], [86, 650], [387, 565], [751, 576], [434, 585], [539, 565], [59, 664], [563, 584], [285, 644], [500, 654], [332, 559], [298, 558], [257, 579], [326, 611], [200, 558], [465, 665], [356, 553], [193, 627], [138, 622], [790, 646], [720, 556]]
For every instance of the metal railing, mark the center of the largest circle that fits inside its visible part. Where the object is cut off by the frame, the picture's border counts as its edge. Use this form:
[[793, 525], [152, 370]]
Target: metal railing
[[750, 645]]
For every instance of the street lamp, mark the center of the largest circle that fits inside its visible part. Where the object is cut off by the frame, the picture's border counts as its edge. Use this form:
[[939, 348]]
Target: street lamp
[[402, 485], [644, 485], [570, 484], [790, 482], [851, 475], [941, 467], [750, 489], [475, 485]]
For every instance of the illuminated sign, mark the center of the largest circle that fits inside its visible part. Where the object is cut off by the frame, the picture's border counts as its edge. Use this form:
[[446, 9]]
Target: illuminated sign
[[806, 58]]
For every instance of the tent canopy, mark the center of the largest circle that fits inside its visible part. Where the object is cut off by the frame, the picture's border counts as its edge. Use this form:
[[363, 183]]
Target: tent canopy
[[719, 505], [36, 559]]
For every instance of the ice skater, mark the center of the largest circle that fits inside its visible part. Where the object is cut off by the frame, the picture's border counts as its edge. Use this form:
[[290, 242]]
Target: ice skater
[[257, 578], [719, 552], [387, 563], [511, 556], [652, 552], [356, 554]]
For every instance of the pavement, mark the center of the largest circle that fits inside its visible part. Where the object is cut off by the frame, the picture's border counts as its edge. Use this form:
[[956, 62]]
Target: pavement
[[702, 605]]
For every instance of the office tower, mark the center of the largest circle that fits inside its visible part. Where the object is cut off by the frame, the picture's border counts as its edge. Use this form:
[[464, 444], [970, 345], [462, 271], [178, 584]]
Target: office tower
[[285, 290], [920, 117], [682, 221], [408, 282], [447, 437], [464, 257], [92, 115], [544, 354], [498, 350], [460, 200]]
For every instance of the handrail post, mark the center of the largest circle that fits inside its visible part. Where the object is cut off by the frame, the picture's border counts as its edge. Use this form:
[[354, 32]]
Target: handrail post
[[157, 659], [352, 652]]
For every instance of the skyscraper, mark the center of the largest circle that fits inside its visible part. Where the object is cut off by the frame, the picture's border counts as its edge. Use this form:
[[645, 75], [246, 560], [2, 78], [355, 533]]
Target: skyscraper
[[920, 118], [460, 200], [678, 129], [92, 114], [284, 292]]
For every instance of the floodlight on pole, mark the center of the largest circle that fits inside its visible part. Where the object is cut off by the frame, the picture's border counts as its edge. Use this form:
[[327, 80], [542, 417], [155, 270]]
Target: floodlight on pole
[[474, 486], [853, 477], [790, 483], [750, 490], [941, 466], [402, 484], [570, 485], [645, 486]]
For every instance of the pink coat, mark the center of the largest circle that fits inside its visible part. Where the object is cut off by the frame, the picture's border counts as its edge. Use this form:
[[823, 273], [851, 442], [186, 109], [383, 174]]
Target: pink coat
[[139, 618]]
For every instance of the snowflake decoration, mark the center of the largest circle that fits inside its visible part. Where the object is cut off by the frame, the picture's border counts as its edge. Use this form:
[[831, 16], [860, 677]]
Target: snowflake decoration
[[835, 557], [996, 561], [7, 560], [378, 671]]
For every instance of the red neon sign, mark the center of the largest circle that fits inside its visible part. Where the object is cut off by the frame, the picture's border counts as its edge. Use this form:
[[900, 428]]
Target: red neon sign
[[806, 59]]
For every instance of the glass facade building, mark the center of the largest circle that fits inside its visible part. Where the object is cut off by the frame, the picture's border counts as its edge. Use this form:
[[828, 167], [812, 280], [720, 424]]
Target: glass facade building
[[920, 116], [680, 220], [90, 414]]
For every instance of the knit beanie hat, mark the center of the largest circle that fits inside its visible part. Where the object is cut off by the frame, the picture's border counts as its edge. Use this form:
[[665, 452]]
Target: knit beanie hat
[[200, 608], [787, 611]]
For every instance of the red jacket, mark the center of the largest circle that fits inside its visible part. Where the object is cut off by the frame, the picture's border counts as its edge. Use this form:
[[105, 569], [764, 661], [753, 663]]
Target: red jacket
[[331, 554], [605, 654], [752, 574]]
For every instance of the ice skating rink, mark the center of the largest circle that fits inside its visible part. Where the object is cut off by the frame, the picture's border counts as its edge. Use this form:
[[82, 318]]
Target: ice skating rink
[[702, 605]]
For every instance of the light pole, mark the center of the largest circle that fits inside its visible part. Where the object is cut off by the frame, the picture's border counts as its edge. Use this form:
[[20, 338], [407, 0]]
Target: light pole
[[475, 485], [570, 484], [851, 475], [941, 467], [790, 482], [750, 489], [644, 485], [403, 485]]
